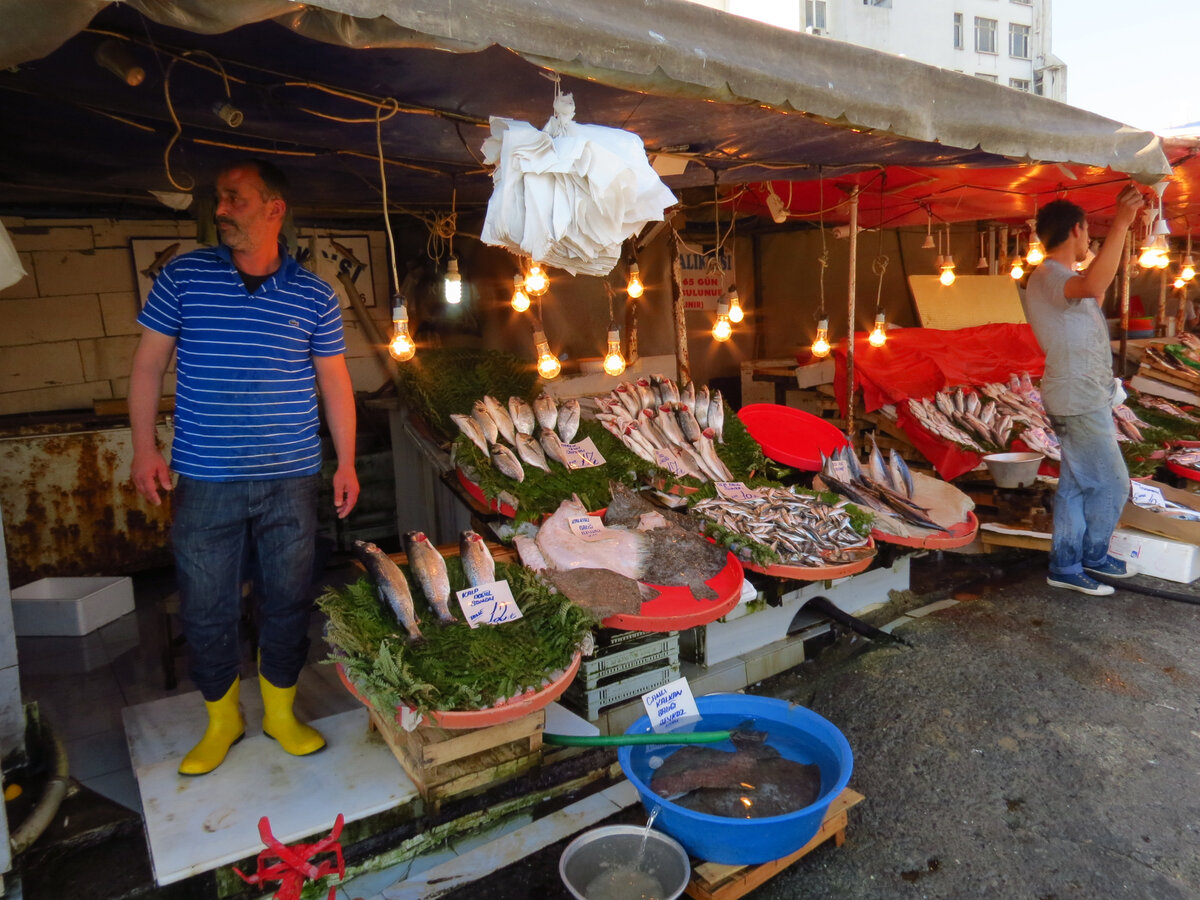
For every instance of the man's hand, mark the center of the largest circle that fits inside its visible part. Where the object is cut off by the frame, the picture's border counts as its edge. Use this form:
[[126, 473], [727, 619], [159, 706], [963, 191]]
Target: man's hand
[[150, 472], [1129, 203], [345, 490]]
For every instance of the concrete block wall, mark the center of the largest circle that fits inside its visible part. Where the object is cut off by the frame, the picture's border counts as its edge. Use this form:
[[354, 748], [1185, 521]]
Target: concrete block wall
[[69, 328]]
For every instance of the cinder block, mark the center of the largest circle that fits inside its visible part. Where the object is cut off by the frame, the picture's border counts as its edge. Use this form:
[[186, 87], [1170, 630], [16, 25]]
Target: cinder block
[[120, 311], [45, 237], [112, 233], [63, 273], [48, 319], [40, 365], [120, 386], [110, 357], [27, 286], [70, 606], [774, 658], [65, 396]]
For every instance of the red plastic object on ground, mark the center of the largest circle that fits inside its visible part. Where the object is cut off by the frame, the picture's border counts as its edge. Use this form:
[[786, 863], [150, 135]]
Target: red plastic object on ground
[[791, 436], [293, 866]]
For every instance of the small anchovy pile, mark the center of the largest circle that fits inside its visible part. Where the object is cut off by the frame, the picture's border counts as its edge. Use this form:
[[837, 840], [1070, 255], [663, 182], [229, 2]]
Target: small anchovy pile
[[657, 414], [803, 530], [490, 422]]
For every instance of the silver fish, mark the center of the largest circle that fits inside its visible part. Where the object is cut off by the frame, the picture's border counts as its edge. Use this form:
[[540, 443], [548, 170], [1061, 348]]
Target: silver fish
[[568, 420], [670, 391], [391, 586], [521, 414], [429, 569], [506, 462], [501, 417], [687, 422], [694, 464], [627, 394], [901, 476], [703, 401], [716, 416], [646, 396], [876, 470], [670, 427], [471, 429], [648, 422], [483, 418], [687, 394], [545, 409], [530, 451], [708, 452], [552, 444], [477, 562]]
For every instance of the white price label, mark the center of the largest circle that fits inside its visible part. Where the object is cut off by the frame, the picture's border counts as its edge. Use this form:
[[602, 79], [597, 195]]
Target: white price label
[[841, 470], [1124, 412], [736, 491], [583, 455], [590, 528], [1146, 495], [667, 459], [670, 706], [488, 604]]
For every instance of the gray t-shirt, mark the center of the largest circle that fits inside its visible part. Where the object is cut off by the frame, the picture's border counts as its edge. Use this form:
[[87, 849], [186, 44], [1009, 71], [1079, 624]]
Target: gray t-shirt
[[1074, 336]]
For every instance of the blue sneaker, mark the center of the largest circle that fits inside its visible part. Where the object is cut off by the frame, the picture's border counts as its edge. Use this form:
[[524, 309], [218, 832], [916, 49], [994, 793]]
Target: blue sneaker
[[1111, 568], [1080, 582]]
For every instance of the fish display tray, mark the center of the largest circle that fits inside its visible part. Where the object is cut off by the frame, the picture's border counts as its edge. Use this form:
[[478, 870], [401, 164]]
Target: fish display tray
[[445, 763], [816, 573], [957, 536], [590, 703], [1181, 470], [718, 881], [626, 658], [676, 608], [476, 494]]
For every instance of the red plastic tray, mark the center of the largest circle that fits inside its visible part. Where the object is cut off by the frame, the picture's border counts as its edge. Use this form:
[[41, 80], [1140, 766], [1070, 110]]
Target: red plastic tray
[[815, 573], [957, 536], [527, 703], [791, 436], [476, 493], [677, 607]]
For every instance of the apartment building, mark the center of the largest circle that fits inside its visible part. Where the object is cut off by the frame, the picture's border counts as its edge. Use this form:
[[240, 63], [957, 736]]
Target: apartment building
[[1006, 41]]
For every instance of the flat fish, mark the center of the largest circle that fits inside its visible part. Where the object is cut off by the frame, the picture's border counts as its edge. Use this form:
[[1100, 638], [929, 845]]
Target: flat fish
[[501, 417], [429, 569], [620, 550], [531, 452], [506, 462], [530, 553], [545, 410], [483, 418], [568, 420], [521, 414], [601, 592], [477, 562], [391, 586], [471, 429]]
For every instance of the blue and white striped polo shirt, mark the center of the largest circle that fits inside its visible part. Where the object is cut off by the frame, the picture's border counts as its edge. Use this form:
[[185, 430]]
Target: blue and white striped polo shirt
[[246, 400]]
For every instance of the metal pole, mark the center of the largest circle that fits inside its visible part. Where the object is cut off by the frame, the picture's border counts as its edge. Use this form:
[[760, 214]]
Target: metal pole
[[850, 315], [1126, 261], [1160, 318]]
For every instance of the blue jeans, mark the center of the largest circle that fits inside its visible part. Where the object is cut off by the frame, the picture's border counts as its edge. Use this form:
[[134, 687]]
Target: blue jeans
[[1093, 483], [215, 526]]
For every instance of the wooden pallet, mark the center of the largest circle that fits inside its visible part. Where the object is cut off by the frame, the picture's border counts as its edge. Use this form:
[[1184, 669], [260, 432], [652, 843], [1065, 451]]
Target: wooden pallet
[[445, 763], [717, 881], [990, 540]]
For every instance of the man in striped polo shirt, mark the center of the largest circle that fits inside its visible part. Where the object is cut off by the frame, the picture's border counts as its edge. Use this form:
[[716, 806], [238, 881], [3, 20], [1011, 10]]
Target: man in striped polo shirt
[[255, 337]]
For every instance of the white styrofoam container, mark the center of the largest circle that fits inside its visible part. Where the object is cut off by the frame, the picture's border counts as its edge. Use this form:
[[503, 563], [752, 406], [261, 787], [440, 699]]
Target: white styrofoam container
[[70, 606], [1157, 556]]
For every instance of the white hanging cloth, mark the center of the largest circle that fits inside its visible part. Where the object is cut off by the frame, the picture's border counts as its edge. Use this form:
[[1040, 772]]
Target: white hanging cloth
[[569, 195]]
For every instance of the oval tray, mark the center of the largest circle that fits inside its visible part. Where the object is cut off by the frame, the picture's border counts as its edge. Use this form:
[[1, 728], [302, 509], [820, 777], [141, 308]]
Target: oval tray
[[477, 494], [527, 703], [956, 536], [676, 607], [816, 573], [791, 436], [1182, 471]]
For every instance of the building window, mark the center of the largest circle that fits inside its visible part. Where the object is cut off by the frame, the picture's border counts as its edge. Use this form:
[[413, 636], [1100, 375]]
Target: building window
[[986, 76], [958, 31], [814, 16], [1020, 84], [985, 35], [1039, 85], [1018, 40]]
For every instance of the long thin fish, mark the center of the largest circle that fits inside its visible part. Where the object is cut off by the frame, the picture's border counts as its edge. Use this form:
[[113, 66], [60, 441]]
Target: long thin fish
[[391, 586], [901, 476], [477, 562], [429, 569]]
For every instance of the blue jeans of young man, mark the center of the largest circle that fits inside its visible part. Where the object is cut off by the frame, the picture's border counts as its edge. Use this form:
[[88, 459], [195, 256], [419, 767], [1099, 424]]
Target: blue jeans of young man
[[1093, 483], [215, 524]]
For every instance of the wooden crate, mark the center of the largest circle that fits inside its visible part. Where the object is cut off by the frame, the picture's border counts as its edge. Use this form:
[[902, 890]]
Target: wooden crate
[[444, 763], [717, 881]]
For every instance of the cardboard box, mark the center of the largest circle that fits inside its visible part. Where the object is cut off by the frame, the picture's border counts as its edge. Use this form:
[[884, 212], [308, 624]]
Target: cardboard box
[[1157, 556], [1156, 523], [70, 606]]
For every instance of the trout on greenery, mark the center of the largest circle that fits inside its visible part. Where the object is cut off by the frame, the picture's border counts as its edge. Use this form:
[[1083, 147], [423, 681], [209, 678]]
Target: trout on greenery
[[429, 569], [391, 586]]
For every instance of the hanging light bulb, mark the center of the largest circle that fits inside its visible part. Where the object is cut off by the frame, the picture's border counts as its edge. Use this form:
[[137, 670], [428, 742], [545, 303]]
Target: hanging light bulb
[[878, 335], [401, 347], [820, 345], [634, 288], [1188, 272], [928, 245], [1179, 282], [453, 283], [736, 313], [614, 362], [548, 365], [520, 300], [1017, 271], [536, 282], [1036, 253], [947, 277], [722, 329]]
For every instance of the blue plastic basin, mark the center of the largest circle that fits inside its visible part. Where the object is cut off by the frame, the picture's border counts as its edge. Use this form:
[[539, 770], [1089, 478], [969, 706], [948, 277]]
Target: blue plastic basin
[[804, 736]]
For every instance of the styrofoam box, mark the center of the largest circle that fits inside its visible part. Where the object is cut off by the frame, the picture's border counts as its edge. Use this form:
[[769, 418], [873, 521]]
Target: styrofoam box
[[1159, 557], [70, 606]]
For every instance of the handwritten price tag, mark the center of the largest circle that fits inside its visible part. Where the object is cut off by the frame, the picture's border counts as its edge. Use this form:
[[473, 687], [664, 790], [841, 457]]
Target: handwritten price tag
[[590, 528], [1124, 412], [841, 470], [666, 459], [488, 604], [736, 491], [1146, 495], [583, 455], [670, 706]]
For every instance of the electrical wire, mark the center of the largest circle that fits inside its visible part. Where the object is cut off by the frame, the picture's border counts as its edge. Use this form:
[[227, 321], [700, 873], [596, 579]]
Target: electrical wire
[[387, 225]]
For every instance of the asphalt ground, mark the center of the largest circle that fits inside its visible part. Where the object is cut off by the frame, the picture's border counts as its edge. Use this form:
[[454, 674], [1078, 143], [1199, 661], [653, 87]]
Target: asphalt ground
[[1028, 742]]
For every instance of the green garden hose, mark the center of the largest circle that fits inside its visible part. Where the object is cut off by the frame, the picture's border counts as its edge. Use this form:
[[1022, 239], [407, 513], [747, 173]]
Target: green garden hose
[[629, 740]]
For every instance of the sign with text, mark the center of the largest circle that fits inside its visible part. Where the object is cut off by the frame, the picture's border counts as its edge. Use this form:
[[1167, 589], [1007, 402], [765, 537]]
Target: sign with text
[[736, 491], [670, 706], [669, 460], [590, 528], [701, 283], [488, 604], [583, 455], [1146, 495]]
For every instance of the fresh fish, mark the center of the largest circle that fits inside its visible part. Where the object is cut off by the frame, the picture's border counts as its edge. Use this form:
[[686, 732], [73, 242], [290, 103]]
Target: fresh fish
[[506, 462], [646, 395], [552, 444], [501, 417], [429, 570], [876, 469], [901, 476], [471, 429], [530, 553], [701, 407], [568, 420], [632, 437], [477, 562], [161, 258], [670, 391], [650, 430], [530, 452], [972, 404], [716, 416], [627, 394], [483, 418], [708, 452], [687, 422], [545, 410], [695, 465], [391, 586], [687, 394], [618, 549], [670, 427], [599, 591], [521, 414]]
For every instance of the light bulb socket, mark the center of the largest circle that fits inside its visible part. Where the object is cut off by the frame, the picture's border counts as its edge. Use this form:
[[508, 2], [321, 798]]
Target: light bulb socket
[[115, 56], [722, 308], [928, 243], [614, 335], [539, 339], [400, 312], [228, 113], [452, 273]]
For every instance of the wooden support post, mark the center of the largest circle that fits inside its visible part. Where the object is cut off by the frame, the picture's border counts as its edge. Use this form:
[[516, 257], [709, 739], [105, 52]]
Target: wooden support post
[[680, 317], [1160, 317], [850, 315], [1126, 262]]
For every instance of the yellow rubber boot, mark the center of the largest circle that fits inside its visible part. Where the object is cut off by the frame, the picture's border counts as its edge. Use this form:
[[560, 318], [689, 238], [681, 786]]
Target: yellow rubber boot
[[280, 723], [225, 728]]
